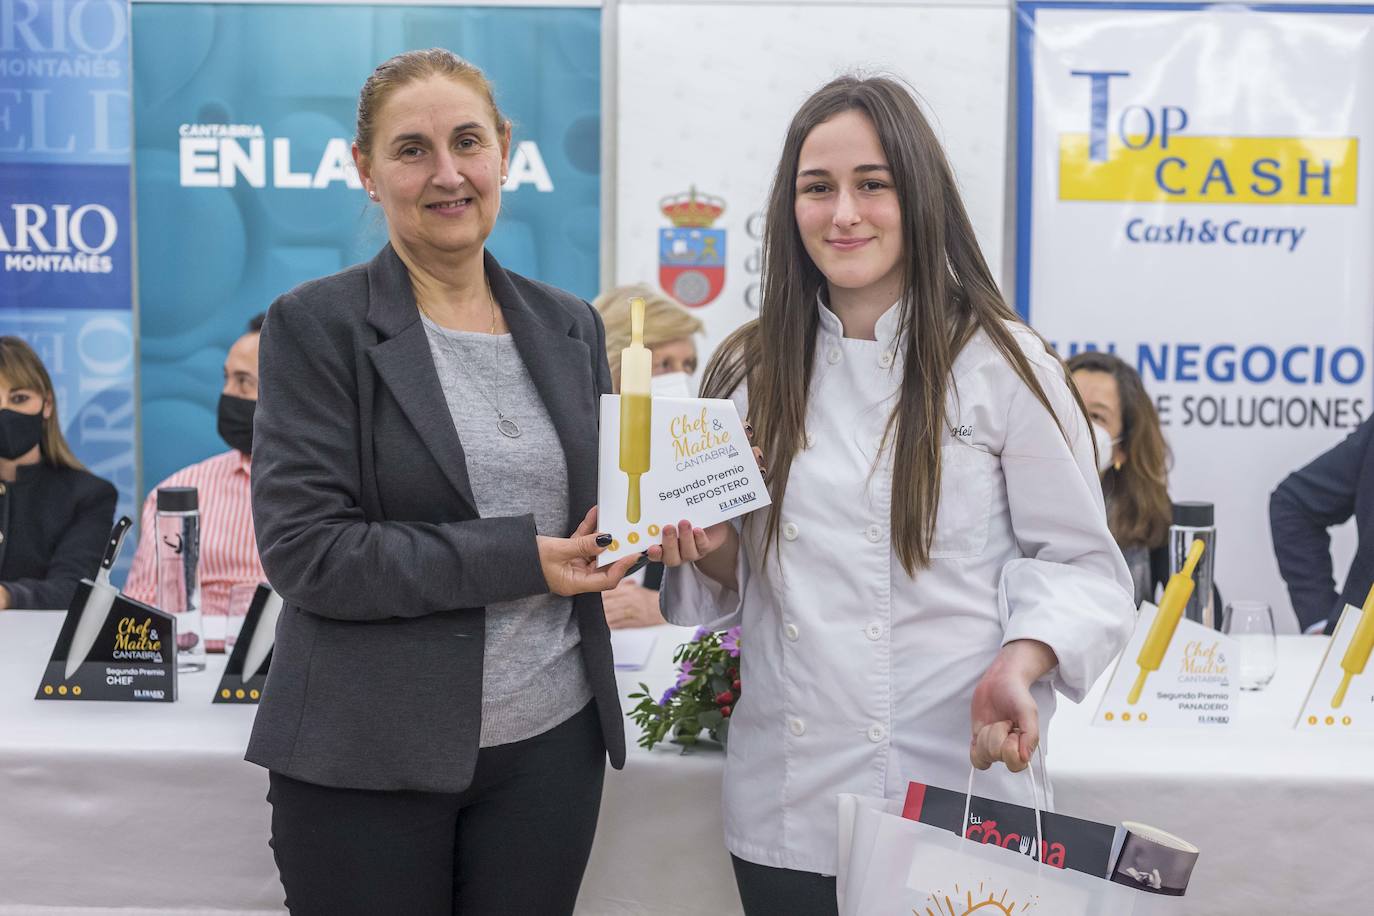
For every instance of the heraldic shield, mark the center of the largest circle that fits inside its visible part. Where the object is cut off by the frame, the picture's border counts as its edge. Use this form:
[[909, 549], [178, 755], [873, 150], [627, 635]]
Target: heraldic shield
[[691, 255]]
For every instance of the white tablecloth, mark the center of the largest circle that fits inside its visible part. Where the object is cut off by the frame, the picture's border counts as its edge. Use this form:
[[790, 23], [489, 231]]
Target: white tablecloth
[[151, 808]]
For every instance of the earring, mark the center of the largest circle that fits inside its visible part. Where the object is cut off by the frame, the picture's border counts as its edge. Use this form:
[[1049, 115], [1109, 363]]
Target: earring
[[1116, 466], [372, 194]]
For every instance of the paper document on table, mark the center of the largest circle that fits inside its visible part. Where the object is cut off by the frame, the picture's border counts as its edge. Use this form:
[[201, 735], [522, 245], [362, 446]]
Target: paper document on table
[[632, 648], [1342, 693], [1174, 673]]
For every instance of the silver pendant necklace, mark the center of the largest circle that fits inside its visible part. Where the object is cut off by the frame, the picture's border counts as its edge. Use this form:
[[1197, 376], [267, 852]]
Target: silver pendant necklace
[[505, 425]]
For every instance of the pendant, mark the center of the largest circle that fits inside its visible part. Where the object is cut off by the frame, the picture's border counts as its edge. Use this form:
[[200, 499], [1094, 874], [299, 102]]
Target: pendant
[[508, 427]]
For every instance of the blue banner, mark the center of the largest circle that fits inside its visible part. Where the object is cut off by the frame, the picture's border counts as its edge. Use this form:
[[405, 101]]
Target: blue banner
[[246, 186], [66, 282]]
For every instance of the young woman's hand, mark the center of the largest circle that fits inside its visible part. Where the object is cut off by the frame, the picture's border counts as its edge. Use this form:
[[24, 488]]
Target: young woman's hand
[[682, 543], [1006, 721]]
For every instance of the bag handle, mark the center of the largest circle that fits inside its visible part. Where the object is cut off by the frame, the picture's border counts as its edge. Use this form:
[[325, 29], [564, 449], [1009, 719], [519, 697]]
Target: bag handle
[[1036, 796]]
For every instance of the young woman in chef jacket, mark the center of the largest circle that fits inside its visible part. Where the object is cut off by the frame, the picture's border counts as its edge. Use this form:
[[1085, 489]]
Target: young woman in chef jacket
[[936, 563]]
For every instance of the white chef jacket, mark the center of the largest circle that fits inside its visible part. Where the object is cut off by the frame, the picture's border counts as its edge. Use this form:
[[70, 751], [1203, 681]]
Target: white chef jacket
[[859, 678]]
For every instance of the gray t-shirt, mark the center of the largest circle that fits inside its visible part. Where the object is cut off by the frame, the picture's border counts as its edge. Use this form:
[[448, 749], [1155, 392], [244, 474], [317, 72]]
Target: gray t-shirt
[[532, 677]]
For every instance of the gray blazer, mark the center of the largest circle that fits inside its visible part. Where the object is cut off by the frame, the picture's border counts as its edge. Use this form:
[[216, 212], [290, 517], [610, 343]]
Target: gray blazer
[[367, 527]]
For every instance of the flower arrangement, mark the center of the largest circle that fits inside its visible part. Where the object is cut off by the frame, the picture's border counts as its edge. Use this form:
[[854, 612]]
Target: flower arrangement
[[706, 692]]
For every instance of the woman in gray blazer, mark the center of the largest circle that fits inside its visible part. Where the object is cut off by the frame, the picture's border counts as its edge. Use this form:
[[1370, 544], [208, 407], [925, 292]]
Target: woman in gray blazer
[[442, 696]]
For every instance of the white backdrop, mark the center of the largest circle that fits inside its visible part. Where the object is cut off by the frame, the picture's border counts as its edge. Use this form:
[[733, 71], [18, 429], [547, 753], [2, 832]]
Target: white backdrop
[[704, 93], [1257, 354]]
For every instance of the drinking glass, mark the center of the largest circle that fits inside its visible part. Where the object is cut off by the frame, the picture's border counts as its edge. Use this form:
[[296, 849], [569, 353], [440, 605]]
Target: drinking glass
[[1251, 625]]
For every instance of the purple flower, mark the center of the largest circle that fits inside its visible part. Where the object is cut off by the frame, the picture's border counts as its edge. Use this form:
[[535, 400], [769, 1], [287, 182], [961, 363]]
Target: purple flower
[[684, 673], [700, 634], [730, 642], [667, 696]]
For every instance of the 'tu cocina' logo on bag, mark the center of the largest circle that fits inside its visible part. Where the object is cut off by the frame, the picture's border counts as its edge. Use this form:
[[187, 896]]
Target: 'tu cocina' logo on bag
[[1069, 842], [986, 832]]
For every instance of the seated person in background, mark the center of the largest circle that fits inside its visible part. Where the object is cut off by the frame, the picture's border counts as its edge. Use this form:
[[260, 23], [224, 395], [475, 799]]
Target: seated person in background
[[1335, 486], [669, 330], [228, 551], [55, 516], [1133, 459]]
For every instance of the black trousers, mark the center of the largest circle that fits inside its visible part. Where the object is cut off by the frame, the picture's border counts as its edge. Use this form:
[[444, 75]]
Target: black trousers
[[768, 891], [515, 841]]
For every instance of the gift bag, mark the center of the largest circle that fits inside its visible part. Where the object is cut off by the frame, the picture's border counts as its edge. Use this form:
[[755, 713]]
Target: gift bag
[[889, 864]]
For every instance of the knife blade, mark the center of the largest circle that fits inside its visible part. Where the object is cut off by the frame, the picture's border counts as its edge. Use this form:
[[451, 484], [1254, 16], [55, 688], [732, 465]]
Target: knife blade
[[264, 635], [98, 602]]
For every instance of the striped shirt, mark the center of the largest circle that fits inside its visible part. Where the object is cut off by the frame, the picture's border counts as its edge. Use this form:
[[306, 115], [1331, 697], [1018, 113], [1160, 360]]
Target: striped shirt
[[228, 551]]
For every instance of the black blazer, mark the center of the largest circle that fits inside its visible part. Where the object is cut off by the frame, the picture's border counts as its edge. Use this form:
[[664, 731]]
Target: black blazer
[[1334, 486], [367, 527], [54, 523]]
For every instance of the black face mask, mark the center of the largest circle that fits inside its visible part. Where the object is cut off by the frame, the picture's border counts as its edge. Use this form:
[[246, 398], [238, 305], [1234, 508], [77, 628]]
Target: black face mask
[[19, 432], [236, 422]]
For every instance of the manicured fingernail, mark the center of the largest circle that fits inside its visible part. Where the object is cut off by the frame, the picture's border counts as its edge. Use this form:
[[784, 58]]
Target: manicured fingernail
[[604, 540], [749, 430]]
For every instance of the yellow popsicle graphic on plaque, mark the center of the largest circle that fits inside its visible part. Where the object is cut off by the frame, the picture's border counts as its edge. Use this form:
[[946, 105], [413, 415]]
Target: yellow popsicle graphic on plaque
[[636, 409], [1176, 595], [665, 459], [1358, 652]]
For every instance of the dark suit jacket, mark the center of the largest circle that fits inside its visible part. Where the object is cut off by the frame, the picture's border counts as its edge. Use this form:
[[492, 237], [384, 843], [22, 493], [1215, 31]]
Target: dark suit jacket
[[1327, 492], [367, 527], [54, 524]]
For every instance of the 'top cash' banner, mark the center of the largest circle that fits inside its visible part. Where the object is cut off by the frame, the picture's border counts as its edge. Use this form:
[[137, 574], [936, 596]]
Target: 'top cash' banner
[[246, 185], [65, 232], [1189, 197]]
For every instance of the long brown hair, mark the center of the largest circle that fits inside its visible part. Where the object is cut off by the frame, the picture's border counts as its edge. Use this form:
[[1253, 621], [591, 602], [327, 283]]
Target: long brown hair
[[20, 367], [1137, 490], [948, 295]]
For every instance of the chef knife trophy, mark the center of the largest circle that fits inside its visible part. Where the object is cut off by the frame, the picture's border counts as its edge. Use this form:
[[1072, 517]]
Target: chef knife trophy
[[111, 647], [246, 672]]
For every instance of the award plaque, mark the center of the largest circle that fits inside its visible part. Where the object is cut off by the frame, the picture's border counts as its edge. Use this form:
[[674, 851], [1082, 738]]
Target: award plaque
[[131, 654], [110, 646], [246, 672]]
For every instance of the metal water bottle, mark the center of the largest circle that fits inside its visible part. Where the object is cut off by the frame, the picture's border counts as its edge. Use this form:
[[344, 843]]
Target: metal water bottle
[[1196, 521], [178, 571]]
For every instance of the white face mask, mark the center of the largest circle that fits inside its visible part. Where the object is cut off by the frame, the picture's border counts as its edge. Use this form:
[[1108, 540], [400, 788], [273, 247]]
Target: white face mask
[[671, 385], [1105, 445]]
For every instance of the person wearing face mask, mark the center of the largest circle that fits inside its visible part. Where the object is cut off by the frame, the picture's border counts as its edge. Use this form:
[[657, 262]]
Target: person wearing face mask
[[228, 549], [670, 334], [1133, 459], [936, 564], [55, 516]]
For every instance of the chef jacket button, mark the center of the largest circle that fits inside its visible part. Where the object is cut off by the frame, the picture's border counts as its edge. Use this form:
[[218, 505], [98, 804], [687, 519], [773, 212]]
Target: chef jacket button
[[810, 443], [791, 632], [885, 360], [874, 533], [876, 733], [789, 531], [874, 631], [796, 727], [833, 356]]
